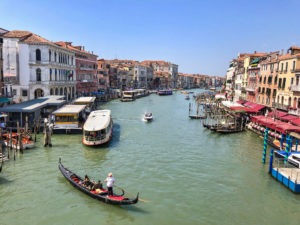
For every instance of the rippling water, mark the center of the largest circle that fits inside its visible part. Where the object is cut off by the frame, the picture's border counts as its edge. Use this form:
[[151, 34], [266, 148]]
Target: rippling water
[[189, 175]]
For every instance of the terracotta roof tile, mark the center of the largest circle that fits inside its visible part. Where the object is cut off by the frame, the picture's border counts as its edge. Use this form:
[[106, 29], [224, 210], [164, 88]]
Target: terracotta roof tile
[[17, 34]]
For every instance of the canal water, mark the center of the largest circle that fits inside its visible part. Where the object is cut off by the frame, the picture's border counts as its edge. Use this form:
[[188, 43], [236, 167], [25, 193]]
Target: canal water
[[188, 174]]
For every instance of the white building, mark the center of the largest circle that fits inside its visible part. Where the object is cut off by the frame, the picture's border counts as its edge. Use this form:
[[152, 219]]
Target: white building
[[35, 67], [140, 76]]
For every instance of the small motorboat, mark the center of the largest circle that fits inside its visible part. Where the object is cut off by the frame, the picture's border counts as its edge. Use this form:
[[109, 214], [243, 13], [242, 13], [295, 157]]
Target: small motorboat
[[103, 196], [148, 117], [187, 97], [26, 142]]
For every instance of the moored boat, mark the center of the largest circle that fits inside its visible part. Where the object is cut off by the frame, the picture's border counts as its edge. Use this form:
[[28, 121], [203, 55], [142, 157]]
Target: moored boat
[[76, 181], [98, 128], [165, 92], [187, 97], [26, 142]]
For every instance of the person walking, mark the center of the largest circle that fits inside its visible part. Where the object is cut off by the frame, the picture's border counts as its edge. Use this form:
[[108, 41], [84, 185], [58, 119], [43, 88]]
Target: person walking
[[110, 180]]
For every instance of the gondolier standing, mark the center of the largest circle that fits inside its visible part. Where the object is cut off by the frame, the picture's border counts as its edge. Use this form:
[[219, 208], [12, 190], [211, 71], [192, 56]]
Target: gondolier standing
[[110, 180]]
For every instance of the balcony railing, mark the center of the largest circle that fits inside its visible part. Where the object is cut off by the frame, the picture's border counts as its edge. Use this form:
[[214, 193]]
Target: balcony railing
[[86, 68], [280, 106], [294, 112], [250, 89], [295, 88]]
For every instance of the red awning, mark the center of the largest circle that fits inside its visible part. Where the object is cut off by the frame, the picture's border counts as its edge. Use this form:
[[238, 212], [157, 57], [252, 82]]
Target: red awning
[[240, 102], [296, 122], [277, 114], [275, 124], [254, 106], [239, 108], [288, 118]]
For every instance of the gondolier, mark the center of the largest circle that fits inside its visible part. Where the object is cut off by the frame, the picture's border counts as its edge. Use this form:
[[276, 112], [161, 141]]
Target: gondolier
[[110, 180]]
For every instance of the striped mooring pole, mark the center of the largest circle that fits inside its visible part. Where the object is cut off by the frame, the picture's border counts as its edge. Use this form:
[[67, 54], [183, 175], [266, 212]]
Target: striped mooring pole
[[271, 160], [265, 145], [281, 142], [287, 150]]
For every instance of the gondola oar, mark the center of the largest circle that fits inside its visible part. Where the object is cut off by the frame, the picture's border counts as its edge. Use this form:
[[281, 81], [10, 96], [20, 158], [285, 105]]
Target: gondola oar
[[142, 200]]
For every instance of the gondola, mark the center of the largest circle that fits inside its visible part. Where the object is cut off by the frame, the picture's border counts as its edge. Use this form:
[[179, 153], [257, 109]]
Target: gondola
[[197, 117], [228, 131], [103, 196]]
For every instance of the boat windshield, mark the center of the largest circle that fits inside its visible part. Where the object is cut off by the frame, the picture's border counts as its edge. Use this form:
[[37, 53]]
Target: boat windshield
[[70, 118], [100, 133]]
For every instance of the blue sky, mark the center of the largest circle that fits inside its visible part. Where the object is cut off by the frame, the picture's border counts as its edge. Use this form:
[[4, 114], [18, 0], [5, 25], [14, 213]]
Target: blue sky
[[201, 36]]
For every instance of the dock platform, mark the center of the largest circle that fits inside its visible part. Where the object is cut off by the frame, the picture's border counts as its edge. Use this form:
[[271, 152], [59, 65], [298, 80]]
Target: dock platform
[[290, 177]]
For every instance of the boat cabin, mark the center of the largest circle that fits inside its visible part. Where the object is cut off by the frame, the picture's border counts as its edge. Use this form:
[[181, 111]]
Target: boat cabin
[[69, 119], [89, 102], [128, 96], [98, 128]]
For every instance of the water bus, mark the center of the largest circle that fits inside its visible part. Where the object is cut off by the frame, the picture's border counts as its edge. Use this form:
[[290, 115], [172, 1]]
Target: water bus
[[69, 119], [128, 96], [98, 128], [89, 102], [165, 92]]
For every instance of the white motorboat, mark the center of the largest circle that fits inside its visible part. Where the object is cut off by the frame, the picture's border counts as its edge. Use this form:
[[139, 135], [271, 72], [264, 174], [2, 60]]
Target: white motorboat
[[148, 117]]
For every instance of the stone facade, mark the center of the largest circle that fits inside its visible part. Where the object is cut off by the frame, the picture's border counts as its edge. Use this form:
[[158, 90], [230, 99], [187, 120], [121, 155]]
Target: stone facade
[[35, 67]]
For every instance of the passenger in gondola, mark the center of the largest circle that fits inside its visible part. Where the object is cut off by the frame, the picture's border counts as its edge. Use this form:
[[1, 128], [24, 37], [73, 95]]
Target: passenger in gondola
[[87, 183], [98, 187], [110, 180]]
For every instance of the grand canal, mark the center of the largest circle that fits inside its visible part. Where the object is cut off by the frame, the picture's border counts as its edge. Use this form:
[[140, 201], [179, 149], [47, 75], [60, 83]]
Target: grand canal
[[189, 175]]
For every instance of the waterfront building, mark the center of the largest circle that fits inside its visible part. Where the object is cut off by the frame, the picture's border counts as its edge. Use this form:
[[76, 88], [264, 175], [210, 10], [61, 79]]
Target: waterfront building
[[86, 69], [230, 78], [165, 67], [102, 75], [35, 67], [140, 76], [248, 58], [288, 91], [295, 85], [267, 84], [2, 32], [238, 78]]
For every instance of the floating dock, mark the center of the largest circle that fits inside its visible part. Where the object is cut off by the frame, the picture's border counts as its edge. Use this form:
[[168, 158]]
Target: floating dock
[[290, 177]]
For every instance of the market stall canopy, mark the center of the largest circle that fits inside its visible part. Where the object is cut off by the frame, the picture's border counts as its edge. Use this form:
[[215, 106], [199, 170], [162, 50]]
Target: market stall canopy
[[240, 102], [277, 114], [229, 104], [288, 118], [296, 121], [254, 106], [277, 125], [242, 108]]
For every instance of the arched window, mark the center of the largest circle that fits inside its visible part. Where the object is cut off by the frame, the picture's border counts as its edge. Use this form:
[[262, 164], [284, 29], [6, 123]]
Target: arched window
[[290, 101], [38, 74], [55, 74], [50, 72], [54, 56], [282, 100], [295, 103], [61, 91], [68, 59], [49, 55], [72, 60], [51, 91], [38, 55], [56, 91]]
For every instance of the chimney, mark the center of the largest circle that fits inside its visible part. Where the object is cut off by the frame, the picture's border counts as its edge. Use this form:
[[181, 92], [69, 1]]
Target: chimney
[[281, 51], [82, 48], [254, 52]]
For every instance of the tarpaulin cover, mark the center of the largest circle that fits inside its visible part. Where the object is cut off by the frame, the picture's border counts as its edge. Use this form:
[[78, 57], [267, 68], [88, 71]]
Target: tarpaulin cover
[[275, 124], [240, 108], [254, 106], [277, 114], [288, 118]]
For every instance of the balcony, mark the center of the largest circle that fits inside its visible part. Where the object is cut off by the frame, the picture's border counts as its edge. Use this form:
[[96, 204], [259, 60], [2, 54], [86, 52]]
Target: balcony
[[250, 89], [294, 111], [86, 68], [280, 106], [295, 88]]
